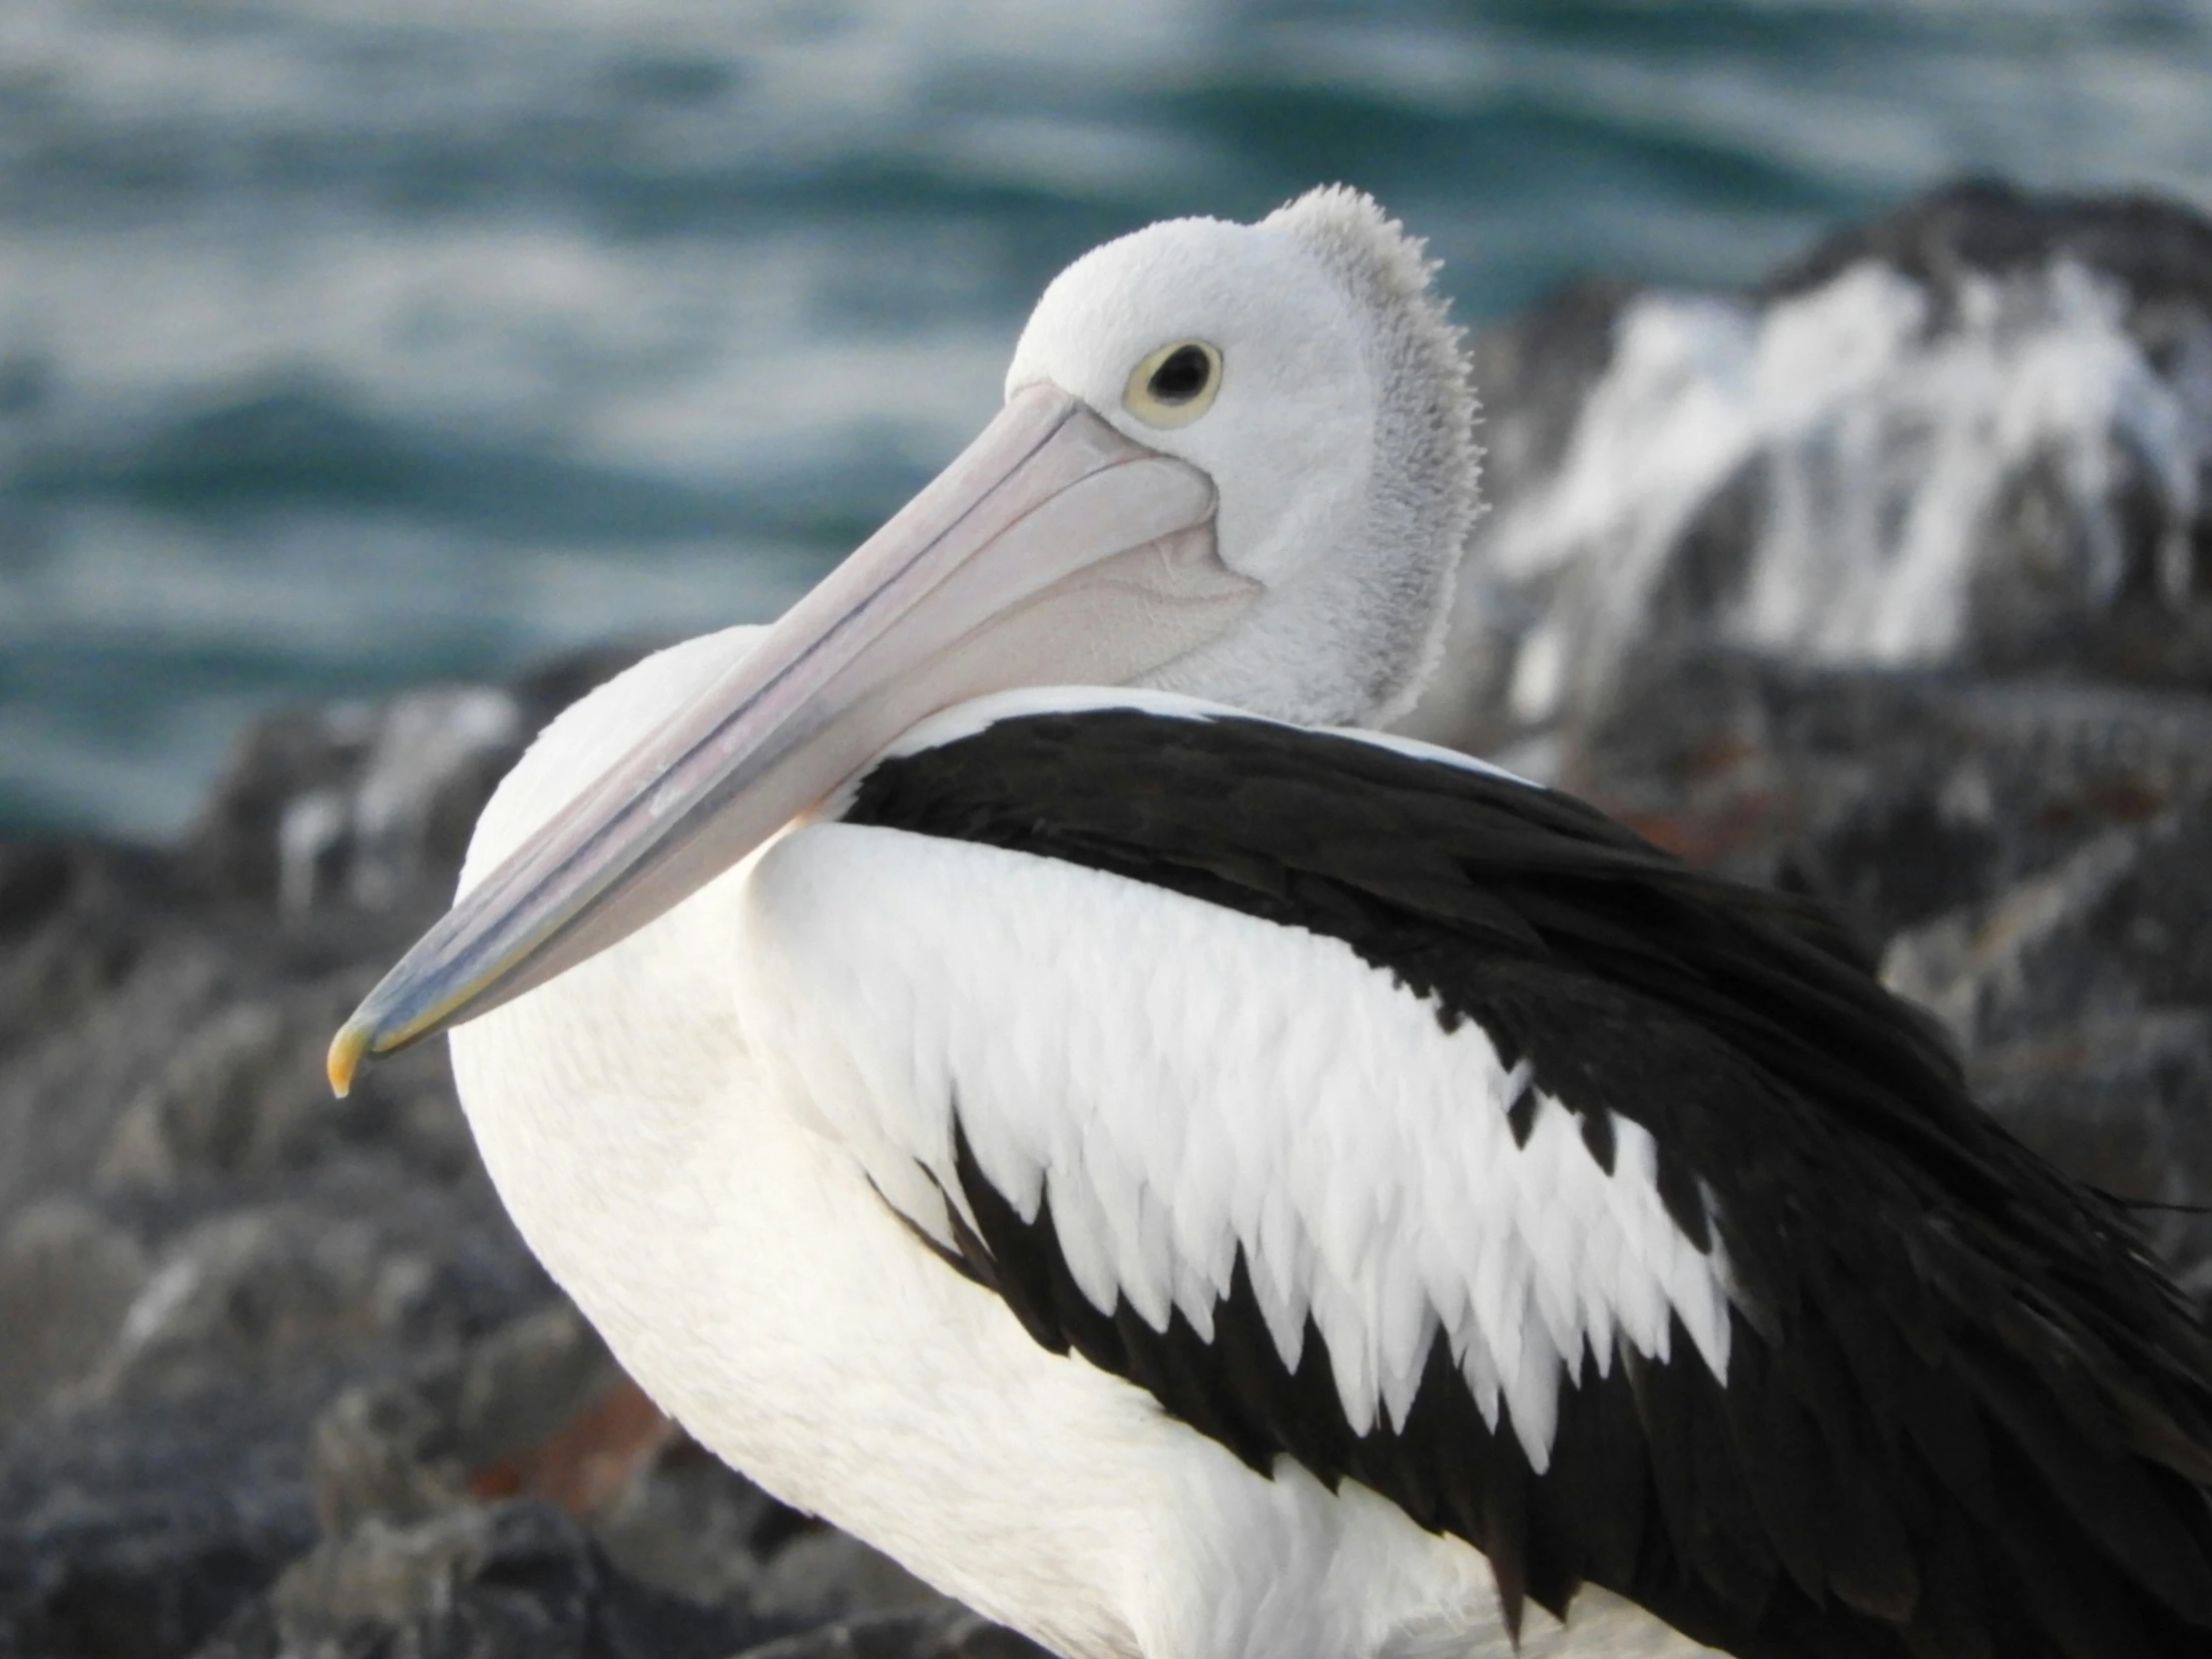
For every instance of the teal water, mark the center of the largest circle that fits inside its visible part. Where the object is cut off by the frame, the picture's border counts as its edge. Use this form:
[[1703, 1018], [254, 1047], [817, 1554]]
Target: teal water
[[346, 343]]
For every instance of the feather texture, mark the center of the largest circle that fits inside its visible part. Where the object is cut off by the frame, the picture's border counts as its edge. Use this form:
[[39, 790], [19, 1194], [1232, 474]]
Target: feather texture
[[1433, 1131]]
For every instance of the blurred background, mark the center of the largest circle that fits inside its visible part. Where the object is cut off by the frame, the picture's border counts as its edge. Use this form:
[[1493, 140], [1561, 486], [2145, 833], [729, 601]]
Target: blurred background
[[376, 375], [350, 343]]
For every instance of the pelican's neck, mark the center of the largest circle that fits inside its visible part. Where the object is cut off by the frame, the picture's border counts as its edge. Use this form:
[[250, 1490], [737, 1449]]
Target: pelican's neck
[[589, 1092], [1353, 627]]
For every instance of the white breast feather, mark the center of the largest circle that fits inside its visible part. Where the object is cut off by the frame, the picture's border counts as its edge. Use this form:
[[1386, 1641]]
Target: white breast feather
[[661, 1175], [1185, 1082]]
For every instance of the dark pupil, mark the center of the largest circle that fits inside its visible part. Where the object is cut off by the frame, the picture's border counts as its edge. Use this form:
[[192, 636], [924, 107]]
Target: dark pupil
[[1182, 377]]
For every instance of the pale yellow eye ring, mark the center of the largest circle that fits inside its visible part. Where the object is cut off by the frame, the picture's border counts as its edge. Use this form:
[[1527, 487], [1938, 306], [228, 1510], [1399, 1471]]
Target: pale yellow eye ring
[[1174, 385]]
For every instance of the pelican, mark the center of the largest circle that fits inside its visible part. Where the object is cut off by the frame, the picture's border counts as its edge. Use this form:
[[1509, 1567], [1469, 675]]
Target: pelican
[[1015, 1062]]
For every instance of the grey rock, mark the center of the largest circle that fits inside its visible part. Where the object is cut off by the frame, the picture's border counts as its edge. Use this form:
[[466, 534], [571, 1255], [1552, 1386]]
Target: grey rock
[[823, 1575], [420, 1444], [2120, 1103], [2113, 931], [405, 1446], [146, 1578], [231, 1099], [197, 1250], [68, 1279], [64, 941], [903, 1636], [508, 1581], [371, 807], [1974, 434], [1893, 795], [695, 1527], [2083, 996], [90, 989]]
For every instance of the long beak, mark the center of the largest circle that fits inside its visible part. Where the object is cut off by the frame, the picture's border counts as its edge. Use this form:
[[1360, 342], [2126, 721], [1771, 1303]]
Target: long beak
[[1053, 551]]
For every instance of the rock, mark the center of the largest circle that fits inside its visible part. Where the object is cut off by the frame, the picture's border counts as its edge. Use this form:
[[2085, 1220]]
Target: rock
[[2082, 995], [689, 1526], [2121, 1102], [68, 1279], [510, 1581], [46, 964], [412, 1445], [1974, 434], [903, 1636], [538, 1408], [821, 1575], [197, 1250], [689, 1523], [140, 1579], [372, 806], [1893, 795], [359, 804]]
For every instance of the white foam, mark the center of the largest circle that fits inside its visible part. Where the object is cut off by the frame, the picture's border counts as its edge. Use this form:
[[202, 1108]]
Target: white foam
[[1885, 436]]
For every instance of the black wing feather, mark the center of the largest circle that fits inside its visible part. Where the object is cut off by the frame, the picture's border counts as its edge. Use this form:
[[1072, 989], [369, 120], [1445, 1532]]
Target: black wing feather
[[1966, 1415]]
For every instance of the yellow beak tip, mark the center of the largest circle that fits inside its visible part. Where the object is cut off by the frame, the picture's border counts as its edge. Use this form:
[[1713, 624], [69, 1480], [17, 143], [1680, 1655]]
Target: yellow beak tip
[[347, 1049]]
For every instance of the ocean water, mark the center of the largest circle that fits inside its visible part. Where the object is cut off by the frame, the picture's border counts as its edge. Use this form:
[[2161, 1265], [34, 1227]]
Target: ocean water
[[352, 343]]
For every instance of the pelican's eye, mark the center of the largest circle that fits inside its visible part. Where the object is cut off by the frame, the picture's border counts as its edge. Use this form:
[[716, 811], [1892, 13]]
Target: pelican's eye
[[1175, 385]]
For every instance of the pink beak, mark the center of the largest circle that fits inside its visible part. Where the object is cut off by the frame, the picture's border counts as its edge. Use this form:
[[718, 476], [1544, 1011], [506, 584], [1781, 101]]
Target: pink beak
[[1052, 551]]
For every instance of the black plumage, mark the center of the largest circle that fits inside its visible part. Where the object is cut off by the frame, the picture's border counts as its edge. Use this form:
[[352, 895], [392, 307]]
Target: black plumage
[[1965, 1417]]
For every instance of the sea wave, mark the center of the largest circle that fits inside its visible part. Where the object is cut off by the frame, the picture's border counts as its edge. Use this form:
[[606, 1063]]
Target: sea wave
[[345, 343]]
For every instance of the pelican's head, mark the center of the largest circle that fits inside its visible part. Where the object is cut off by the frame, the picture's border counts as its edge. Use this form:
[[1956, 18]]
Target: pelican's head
[[1305, 367], [1234, 460]]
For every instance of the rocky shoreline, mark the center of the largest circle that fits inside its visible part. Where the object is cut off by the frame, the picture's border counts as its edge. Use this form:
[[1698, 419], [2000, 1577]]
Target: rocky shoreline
[[1890, 580]]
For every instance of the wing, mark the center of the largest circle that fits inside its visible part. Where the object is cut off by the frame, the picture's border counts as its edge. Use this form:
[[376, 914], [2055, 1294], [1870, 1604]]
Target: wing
[[1432, 1130]]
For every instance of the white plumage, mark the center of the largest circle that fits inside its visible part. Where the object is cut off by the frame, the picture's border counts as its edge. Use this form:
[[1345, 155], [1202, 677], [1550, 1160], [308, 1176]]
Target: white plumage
[[1156, 1064], [691, 1130]]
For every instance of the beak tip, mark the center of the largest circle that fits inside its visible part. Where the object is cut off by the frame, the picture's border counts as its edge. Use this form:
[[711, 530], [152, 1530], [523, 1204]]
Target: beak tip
[[347, 1049]]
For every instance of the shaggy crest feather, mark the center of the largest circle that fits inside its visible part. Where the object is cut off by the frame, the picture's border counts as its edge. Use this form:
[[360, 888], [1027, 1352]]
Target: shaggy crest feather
[[1428, 409]]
